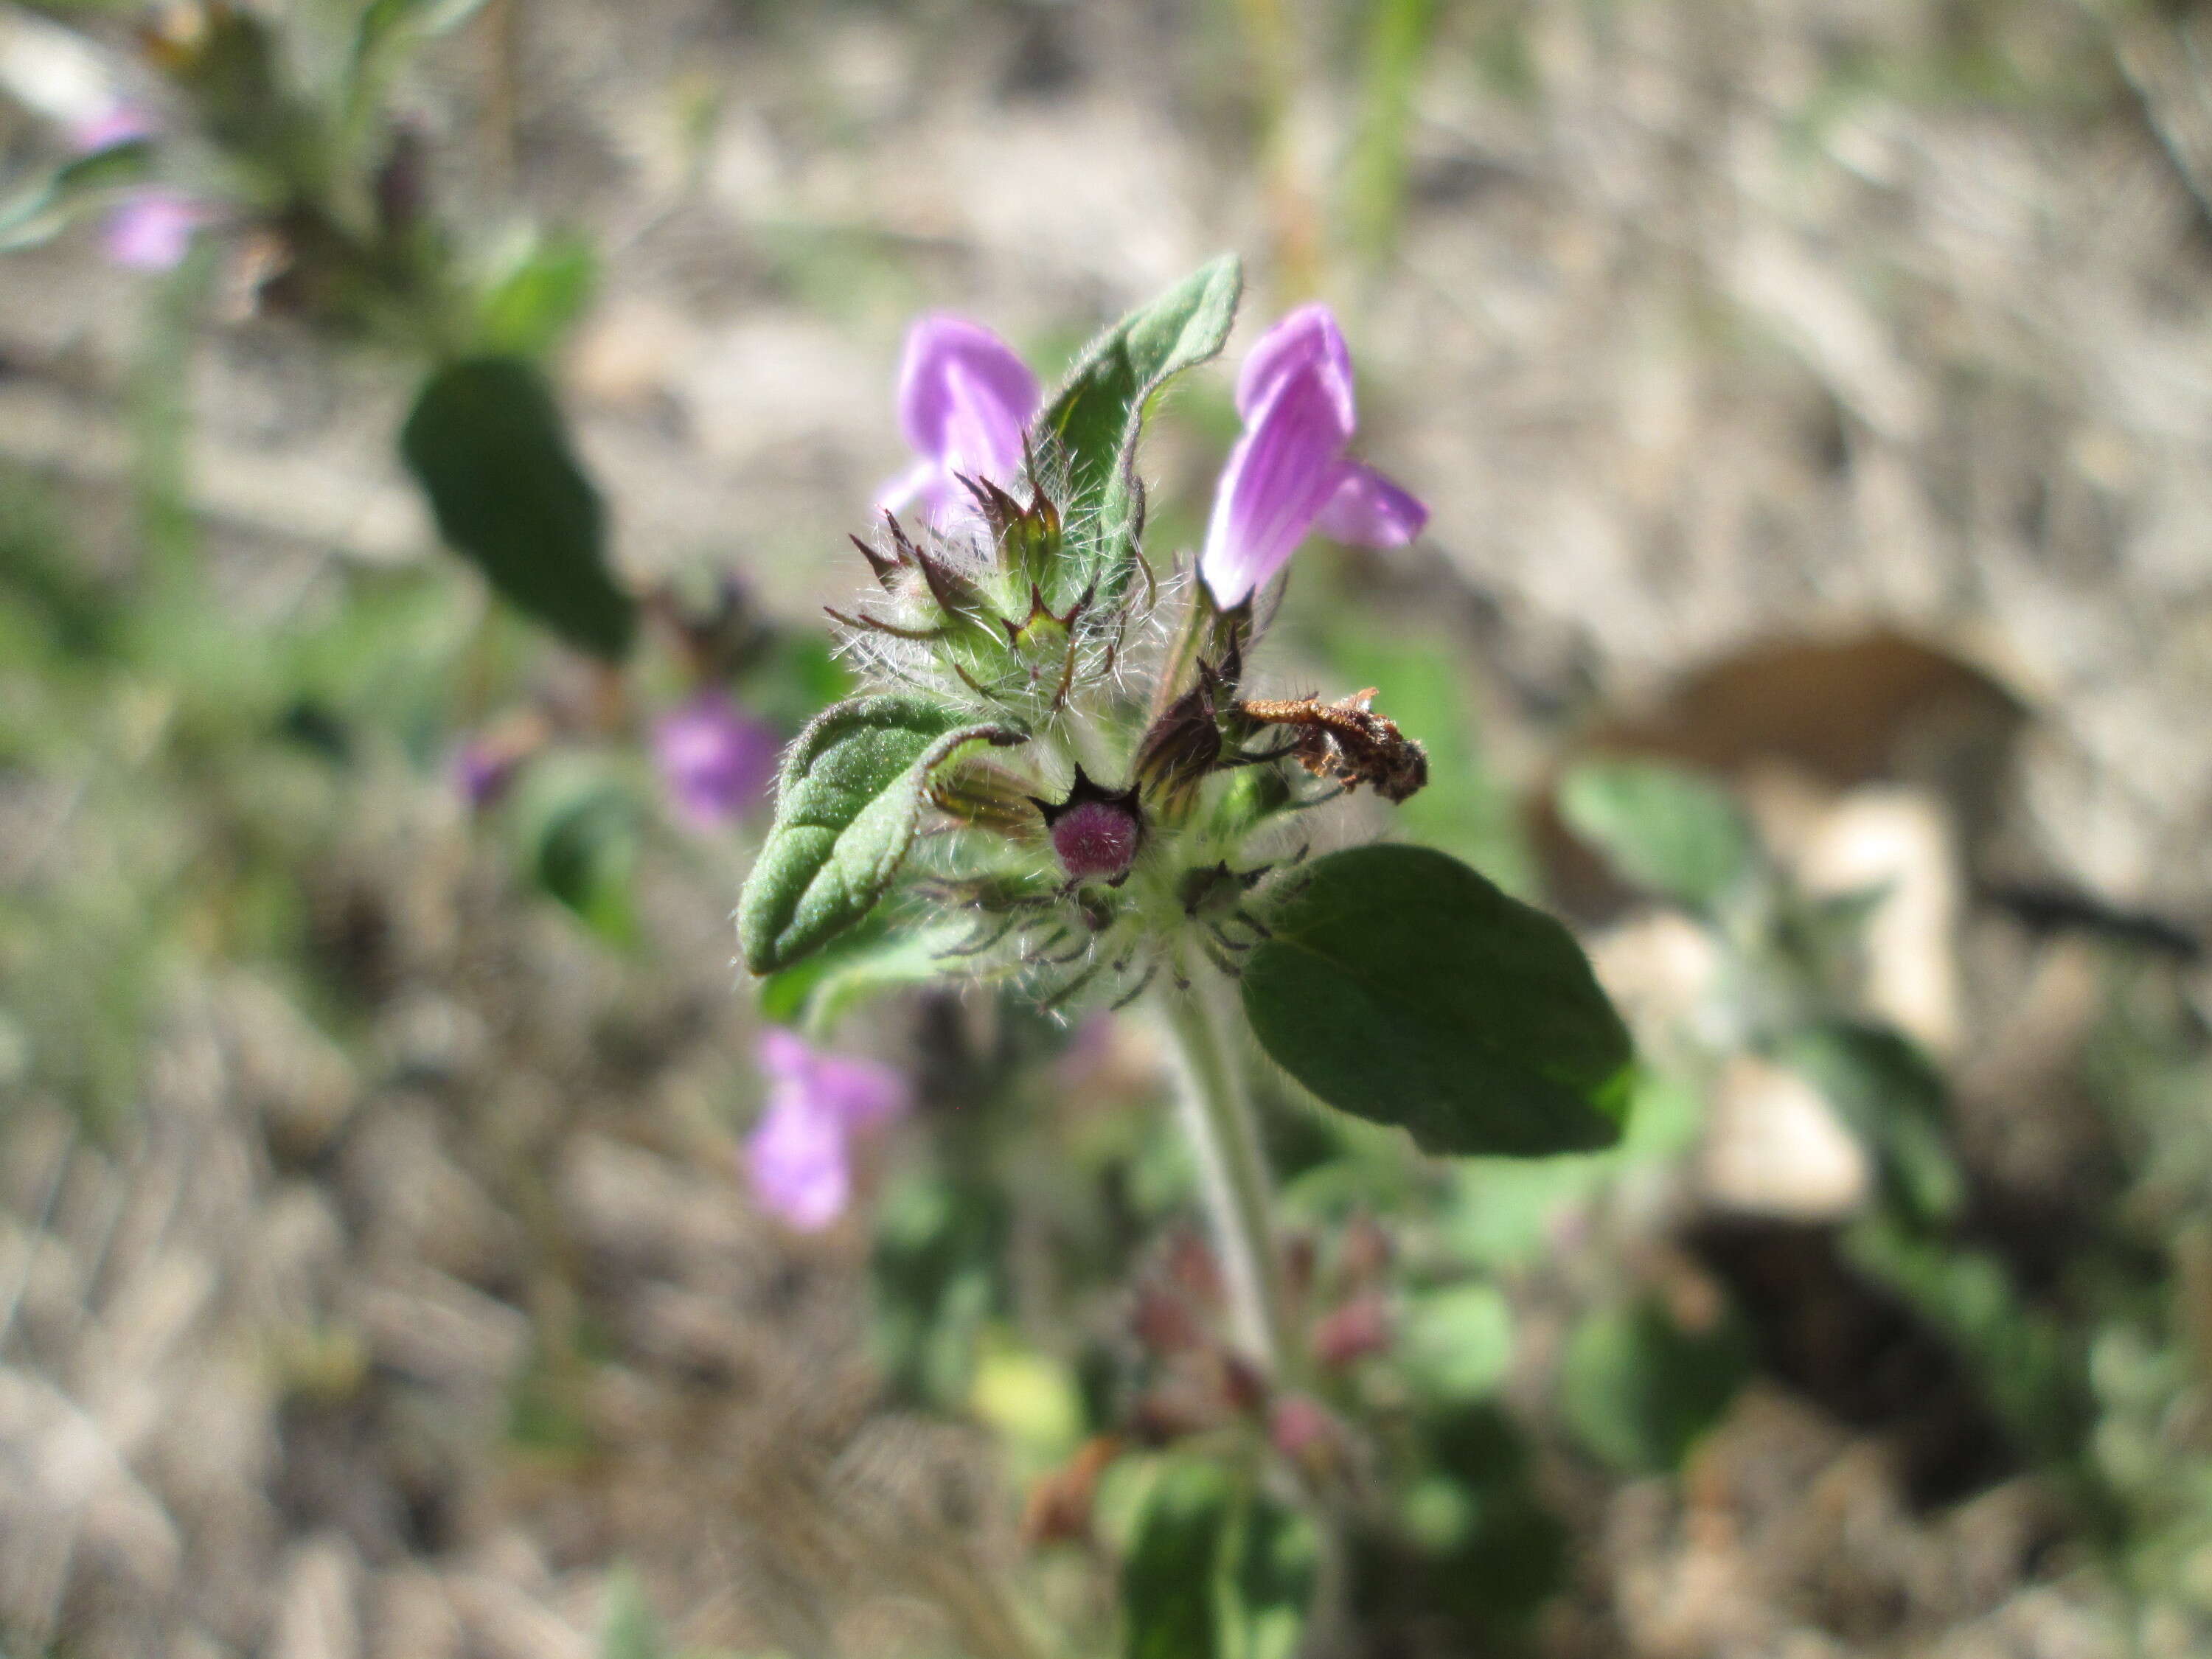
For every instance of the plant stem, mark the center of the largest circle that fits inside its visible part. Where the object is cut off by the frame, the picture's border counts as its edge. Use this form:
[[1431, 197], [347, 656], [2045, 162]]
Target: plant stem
[[1217, 1115]]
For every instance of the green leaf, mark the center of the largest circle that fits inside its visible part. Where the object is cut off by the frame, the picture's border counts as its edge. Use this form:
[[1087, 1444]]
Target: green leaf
[[388, 27], [1660, 827], [581, 837], [1457, 1343], [1476, 1553], [627, 1629], [1402, 987], [2031, 1365], [1639, 1389], [828, 985], [42, 212], [534, 303], [1170, 1579], [486, 441], [1098, 413], [1273, 1565], [1895, 1102], [845, 814]]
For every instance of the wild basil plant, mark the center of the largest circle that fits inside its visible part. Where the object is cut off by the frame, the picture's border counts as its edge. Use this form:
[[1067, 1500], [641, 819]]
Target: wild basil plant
[[1067, 775]]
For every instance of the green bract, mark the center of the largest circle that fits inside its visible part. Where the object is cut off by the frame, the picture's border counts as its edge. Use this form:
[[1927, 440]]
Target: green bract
[[845, 812], [1098, 417], [1402, 987]]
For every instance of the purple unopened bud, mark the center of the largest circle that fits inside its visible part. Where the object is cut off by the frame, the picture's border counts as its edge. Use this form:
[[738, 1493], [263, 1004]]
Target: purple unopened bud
[[1361, 1326], [1096, 841], [1096, 832], [716, 760], [1299, 1426]]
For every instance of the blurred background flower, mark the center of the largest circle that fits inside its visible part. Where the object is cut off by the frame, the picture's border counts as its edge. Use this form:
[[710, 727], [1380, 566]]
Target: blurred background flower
[[716, 762], [799, 1157]]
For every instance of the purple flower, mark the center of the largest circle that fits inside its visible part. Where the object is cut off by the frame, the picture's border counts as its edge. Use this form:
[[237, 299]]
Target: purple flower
[[151, 229], [487, 760], [964, 400], [797, 1157], [1288, 472], [716, 760], [482, 770]]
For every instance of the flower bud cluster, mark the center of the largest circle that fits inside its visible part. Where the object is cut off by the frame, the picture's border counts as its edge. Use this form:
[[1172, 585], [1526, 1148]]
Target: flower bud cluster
[[1112, 828]]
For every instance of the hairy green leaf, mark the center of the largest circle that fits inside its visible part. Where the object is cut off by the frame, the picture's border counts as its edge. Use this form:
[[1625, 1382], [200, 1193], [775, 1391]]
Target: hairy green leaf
[[1098, 413], [486, 441], [845, 813], [1402, 987]]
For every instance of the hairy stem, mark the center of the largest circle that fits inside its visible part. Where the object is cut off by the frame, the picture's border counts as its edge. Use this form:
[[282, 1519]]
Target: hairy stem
[[1217, 1115]]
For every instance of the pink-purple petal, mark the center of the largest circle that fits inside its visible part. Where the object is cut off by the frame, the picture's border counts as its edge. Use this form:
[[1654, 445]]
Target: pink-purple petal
[[861, 1093], [784, 1055], [1370, 509], [1308, 339], [965, 398], [482, 771], [799, 1157], [926, 480], [1278, 475], [119, 123], [151, 229], [796, 1161]]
